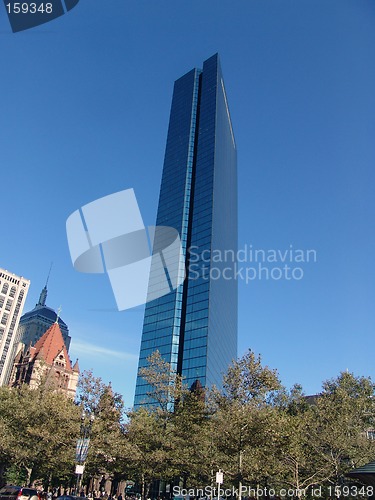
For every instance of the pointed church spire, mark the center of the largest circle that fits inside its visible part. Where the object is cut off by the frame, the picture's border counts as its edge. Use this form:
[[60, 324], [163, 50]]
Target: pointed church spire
[[43, 293]]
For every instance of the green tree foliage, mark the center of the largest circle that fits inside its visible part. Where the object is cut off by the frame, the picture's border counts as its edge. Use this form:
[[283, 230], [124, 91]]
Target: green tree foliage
[[171, 437], [344, 412], [249, 382], [149, 445], [244, 419], [150, 430], [108, 446], [298, 467], [40, 428], [258, 433], [323, 437], [15, 475], [254, 430], [166, 385], [194, 453]]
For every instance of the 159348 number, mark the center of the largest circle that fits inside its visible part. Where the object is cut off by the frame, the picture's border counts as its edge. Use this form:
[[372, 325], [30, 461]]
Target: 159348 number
[[350, 491], [29, 8]]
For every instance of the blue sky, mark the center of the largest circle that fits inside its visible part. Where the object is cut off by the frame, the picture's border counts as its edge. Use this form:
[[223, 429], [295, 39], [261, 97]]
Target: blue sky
[[84, 113]]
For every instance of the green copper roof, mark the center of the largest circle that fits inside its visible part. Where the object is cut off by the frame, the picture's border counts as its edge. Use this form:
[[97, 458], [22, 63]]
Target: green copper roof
[[365, 474], [365, 469]]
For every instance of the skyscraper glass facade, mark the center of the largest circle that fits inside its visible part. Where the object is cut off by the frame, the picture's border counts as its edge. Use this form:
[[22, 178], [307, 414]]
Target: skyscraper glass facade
[[195, 327]]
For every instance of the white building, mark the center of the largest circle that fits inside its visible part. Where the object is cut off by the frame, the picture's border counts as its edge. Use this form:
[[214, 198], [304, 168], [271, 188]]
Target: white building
[[13, 293]]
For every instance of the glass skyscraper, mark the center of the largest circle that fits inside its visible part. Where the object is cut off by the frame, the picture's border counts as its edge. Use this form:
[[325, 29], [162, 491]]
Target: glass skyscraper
[[195, 327]]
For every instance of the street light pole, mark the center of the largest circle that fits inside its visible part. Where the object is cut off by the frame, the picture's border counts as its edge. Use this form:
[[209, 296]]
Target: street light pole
[[82, 447], [219, 482]]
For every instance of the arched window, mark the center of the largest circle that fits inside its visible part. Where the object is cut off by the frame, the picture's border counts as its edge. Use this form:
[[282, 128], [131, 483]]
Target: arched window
[[5, 288]]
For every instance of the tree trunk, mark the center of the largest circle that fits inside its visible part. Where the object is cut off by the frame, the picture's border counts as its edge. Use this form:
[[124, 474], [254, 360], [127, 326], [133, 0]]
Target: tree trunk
[[2, 467], [240, 474], [143, 487], [148, 489], [29, 472]]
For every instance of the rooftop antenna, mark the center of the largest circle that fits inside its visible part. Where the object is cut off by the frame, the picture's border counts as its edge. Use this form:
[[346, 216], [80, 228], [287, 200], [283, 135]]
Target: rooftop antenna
[[58, 314], [43, 293], [49, 272]]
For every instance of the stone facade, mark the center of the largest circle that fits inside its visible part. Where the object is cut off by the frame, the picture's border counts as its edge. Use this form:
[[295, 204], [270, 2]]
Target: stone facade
[[48, 362]]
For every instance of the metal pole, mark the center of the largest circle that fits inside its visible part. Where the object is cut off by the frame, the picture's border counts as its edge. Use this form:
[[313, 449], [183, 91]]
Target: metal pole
[[77, 485], [82, 447]]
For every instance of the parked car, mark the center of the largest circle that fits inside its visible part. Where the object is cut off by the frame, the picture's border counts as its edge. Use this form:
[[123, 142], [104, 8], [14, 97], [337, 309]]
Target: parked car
[[68, 497], [11, 492]]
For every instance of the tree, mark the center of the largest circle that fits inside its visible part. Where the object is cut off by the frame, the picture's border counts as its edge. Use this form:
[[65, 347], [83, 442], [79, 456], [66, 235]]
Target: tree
[[166, 386], [344, 411], [151, 430], [194, 452], [244, 418], [40, 427], [108, 448], [324, 436], [150, 446], [170, 437], [90, 391], [298, 465], [247, 381]]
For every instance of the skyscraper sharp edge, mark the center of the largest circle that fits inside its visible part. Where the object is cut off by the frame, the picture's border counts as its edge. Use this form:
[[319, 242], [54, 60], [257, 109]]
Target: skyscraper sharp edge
[[13, 293], [195, 327]]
